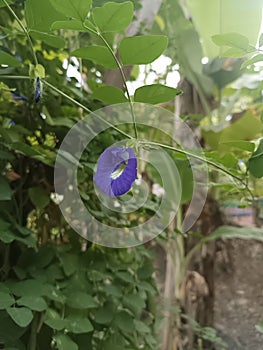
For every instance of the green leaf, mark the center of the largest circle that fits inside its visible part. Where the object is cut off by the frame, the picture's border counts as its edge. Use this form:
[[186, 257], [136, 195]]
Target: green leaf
[[39, 71], [255, 162], [247, 20], [39, 197], [115, 341], [109, 95], [49, 39], [40, 15], [260, 41], [34, 303], [141, 327], [105, 314], [247, 127], [80, 300], [124, 321], [25, 149], [73, 25], [5, 190], [252, 60], [113, 16], [69, 263], [231, 39], [234, 52], [125, 276], [54, 321], [240, 144], [4, 225], [145, 271], [112, 290], [6, 58], [77, 324], [64, 342], [97, 54], [31, 287], [155, 93], [134, 302], [142, 49], [186, 175], [22, 316], [236, 232], [6, 300], [78, 9], [7, 236], [2, 4]]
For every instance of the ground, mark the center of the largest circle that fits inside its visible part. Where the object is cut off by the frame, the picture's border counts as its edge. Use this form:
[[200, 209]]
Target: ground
[[239, 294]]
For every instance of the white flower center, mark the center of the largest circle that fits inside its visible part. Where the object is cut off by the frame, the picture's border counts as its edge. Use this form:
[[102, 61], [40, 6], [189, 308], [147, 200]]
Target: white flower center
[[117, 173]]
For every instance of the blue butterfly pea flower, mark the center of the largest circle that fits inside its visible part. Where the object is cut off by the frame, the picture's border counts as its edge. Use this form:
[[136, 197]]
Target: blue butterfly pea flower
[[116, 171], [18, 97], [38, 90]]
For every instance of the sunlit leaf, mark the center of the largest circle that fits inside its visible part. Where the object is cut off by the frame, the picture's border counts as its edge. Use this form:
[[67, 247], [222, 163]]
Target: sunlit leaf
[[41, 14], [224, 16], [113, 16], [142, 49], [241, 144], [109, 95], [231, 39], [73, 25], [252, 60], [49, 39], [97, 54], [155, 93], [72, 8]]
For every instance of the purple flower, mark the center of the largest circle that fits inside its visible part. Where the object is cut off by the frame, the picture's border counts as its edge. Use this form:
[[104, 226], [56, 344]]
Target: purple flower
[[117, 171], [38, 90]]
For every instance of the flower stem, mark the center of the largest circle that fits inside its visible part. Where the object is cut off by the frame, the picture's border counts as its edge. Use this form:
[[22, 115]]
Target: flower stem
[[196, 156], [86, 109], [122, 76], [24, 30]]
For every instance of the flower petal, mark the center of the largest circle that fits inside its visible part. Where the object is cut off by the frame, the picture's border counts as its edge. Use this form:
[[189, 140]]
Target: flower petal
[[111, 161]]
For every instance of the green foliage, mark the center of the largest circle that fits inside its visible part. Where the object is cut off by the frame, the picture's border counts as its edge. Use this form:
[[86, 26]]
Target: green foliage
[[155, 93], [6, 58], [97, 54], [219, 20], [109, 95], [58, 290], [113, 17], [72, 8], [142, 49], [255, 162]]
